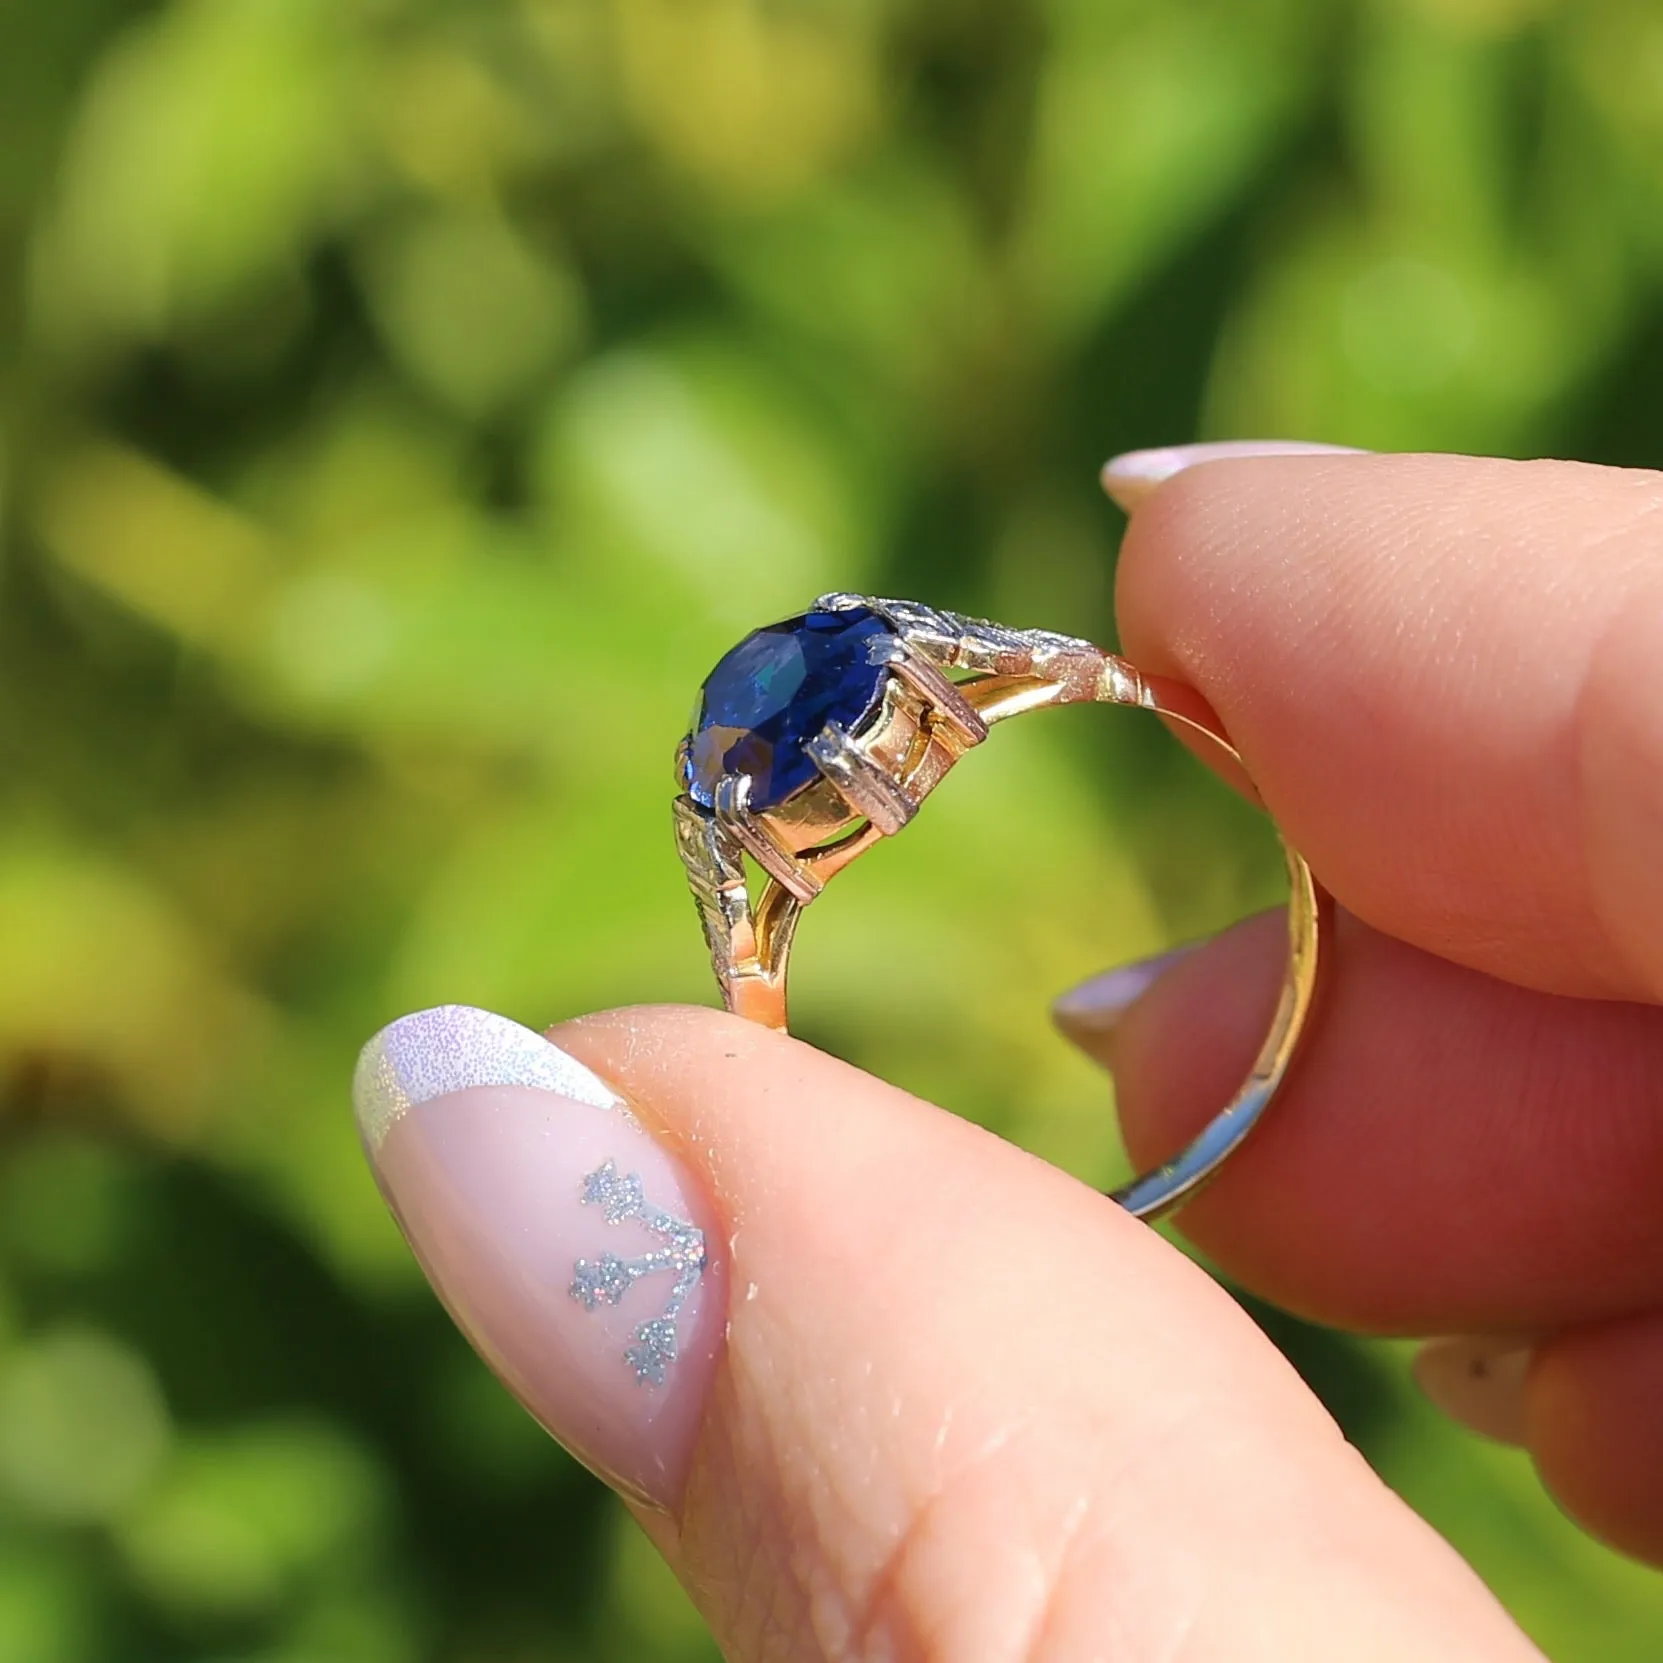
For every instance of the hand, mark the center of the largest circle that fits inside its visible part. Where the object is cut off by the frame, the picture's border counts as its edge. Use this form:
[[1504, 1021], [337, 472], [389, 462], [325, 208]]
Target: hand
[[934, 1399]]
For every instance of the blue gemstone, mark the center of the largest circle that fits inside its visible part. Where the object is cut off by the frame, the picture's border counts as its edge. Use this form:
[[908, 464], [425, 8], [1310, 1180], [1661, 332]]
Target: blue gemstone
[[774, 692]]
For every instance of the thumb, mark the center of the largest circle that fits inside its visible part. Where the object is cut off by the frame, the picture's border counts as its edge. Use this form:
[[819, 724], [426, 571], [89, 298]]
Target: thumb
[[878, 1384]]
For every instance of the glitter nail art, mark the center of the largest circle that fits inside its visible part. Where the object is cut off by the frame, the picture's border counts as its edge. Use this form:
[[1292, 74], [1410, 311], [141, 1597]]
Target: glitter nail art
[[606, 1280]]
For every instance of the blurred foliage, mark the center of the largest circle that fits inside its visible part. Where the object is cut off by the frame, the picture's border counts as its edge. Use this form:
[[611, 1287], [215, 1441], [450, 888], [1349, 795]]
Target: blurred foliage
[[404, 402]]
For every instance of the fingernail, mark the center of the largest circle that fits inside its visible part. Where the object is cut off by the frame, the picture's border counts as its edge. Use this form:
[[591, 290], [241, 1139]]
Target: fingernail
[[572, 1248], [1090, 1013], [1478, 1381], [1131, 477]]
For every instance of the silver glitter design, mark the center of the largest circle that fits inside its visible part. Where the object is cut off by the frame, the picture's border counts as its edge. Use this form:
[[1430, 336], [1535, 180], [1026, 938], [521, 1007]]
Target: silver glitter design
[[605, 1281]]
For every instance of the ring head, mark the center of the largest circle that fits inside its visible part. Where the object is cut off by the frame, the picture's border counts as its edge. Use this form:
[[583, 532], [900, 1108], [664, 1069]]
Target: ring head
[[816, 738]]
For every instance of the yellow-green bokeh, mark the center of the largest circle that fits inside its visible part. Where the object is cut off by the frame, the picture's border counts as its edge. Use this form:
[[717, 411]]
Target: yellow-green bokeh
[[402, 404]]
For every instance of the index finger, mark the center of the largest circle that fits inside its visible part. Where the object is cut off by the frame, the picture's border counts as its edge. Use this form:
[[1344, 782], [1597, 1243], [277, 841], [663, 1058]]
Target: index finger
[[1434, 667]]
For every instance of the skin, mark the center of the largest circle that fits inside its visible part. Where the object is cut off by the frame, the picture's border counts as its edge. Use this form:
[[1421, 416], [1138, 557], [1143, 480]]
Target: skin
[[968, 1411], [1475, 1138]]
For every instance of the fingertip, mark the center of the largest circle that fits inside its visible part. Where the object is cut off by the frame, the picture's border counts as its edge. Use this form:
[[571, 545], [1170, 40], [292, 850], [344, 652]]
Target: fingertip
[[1090, 1014], [1393, 648], [579, 1254], [1478, 1381], [1185, 1037], [1591, 1412]]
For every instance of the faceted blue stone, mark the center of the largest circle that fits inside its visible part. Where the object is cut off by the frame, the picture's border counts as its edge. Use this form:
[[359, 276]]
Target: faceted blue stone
[[774, 692]]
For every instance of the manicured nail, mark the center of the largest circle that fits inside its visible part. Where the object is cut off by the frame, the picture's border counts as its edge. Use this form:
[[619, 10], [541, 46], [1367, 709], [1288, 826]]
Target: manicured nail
[[1090, 1013], [1131, 477], [571, 1247], [1478, 1381]]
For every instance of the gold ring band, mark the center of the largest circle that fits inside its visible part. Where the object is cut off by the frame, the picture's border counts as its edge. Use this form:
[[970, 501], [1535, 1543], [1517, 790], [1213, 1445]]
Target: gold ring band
[[819, 736]]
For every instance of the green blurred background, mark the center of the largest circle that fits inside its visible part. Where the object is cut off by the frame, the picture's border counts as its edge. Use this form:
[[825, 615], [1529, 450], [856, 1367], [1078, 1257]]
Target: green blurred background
[[404, 403]]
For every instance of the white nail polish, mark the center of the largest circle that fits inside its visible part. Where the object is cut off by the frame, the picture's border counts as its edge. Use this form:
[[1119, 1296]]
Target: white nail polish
[[1130, 478], [1093, 1009], [452, 1048], [1478, 1381]]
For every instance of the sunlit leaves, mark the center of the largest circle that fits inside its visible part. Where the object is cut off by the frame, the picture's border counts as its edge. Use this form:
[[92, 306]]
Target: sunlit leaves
[[214, 141], [404, 404]]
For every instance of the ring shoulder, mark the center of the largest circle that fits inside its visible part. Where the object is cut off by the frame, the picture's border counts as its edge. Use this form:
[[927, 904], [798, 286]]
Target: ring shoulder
[[715, 868], [957, 641]]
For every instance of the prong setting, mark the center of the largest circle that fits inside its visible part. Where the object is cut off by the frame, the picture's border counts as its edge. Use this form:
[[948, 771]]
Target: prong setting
[[942, 695], [865, 785], [733, 811]]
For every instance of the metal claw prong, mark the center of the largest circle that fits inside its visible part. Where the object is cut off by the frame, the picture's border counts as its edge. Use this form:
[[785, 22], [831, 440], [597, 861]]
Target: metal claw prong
[[866, 786], [733, 810], [936, 689]]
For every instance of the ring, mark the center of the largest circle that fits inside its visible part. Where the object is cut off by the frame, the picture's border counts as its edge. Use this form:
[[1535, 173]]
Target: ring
[[816, 737]]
